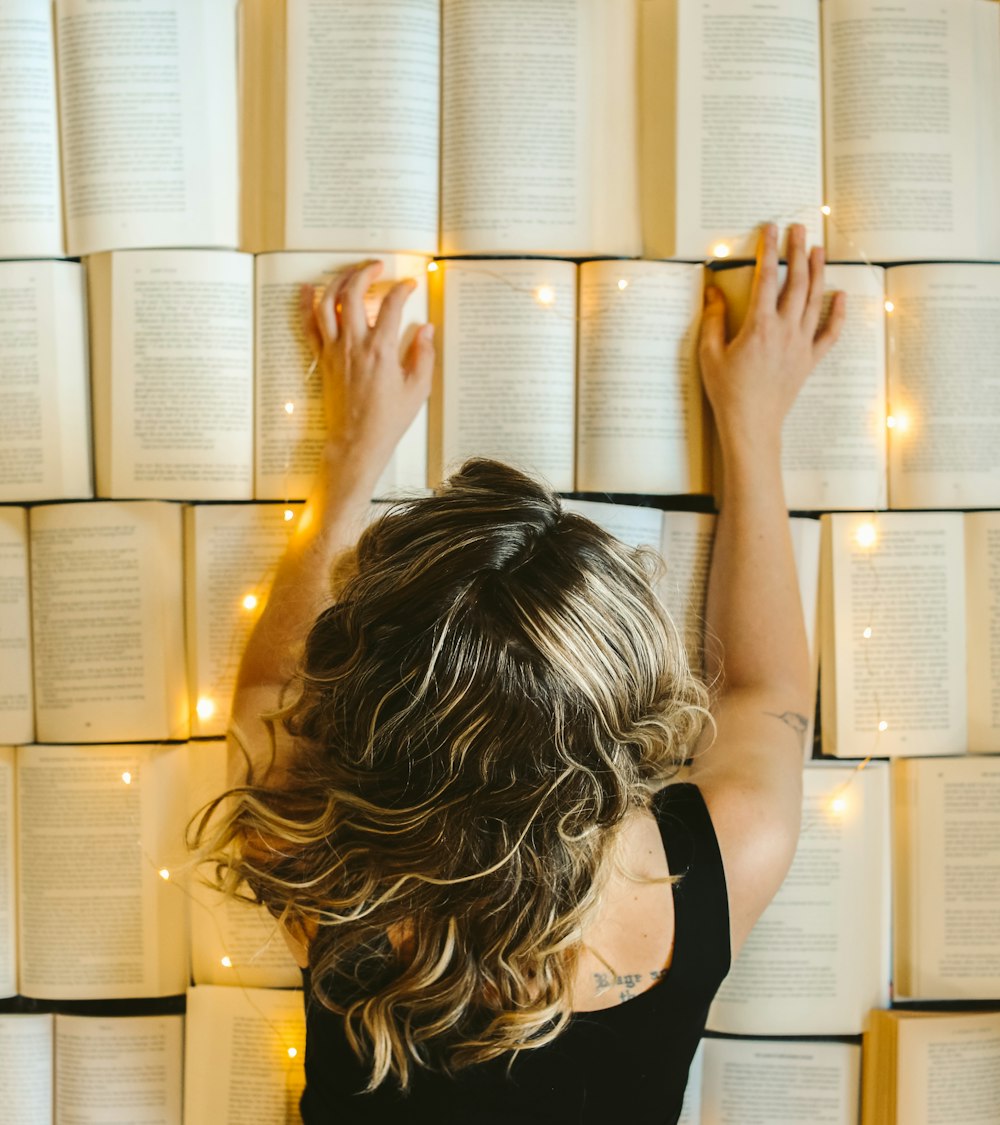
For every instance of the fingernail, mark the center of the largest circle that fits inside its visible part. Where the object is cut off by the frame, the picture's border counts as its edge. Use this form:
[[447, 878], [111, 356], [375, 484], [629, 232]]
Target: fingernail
[[771, 230], [429, 333], [711, 294]]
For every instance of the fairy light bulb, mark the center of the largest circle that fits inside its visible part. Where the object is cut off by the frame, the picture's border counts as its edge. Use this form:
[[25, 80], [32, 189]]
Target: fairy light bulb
[[250, 601], [205, 708], [865, 535], [292, 1052], [289, 515], [545, 294], [720, 250], [897, 422], [164, 873], [838, 805], [226, 962], [432, 267], [889, 306], [289, 407], [623, 283], [127, 777], [825, 209], [883, 725], [867, 634]]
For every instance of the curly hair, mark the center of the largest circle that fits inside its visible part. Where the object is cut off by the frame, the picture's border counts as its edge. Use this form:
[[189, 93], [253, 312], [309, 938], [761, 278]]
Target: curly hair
[[493, 689]]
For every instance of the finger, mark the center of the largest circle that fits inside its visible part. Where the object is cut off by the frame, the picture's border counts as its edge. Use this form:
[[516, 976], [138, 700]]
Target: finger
[[830, 332], [814, 302], [326, 315], [712, 342], [796, 288], [763, 291], [307, 310], [351, 300], [390, 314], [419, 361]]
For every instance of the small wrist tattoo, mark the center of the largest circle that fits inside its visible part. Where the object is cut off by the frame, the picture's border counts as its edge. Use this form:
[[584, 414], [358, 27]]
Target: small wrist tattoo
[[798, 723]]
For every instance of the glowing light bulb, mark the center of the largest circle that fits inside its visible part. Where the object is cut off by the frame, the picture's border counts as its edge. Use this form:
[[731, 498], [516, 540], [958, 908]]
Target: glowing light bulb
[[545, 294], [883, 725], [127, 778], [292, 1052], [825, 208], [866, 535], [250, 601], [838, 804], [432, 267], [227, 962], [623, 283], [164, 873], [889, 306], [898, 422], [289, 407], [867, 634], [720, 250], [205, 708], [289, 514], [891, 421]]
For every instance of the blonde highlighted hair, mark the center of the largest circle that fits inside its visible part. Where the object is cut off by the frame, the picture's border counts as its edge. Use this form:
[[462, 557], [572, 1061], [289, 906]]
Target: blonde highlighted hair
[[494, 688]]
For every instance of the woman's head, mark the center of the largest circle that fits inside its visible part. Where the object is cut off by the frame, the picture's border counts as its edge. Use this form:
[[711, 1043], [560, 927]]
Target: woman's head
[[494, 688]]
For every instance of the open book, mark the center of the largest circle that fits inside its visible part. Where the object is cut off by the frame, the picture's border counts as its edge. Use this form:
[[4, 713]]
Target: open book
[[946, 859], [818, 958], [735, 101], [907, 606], [931, 1068], [97, 833], [17, 712], [90, 1069]]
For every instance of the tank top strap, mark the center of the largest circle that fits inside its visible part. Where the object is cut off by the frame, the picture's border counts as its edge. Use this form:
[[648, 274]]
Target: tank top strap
[[701, 899]]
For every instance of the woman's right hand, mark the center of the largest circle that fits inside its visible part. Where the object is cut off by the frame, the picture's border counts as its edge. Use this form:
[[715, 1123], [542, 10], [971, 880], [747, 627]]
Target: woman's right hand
[[752, 380]]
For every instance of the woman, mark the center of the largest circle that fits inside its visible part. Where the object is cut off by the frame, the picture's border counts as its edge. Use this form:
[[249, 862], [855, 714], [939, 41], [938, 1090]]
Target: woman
[[456, 797]]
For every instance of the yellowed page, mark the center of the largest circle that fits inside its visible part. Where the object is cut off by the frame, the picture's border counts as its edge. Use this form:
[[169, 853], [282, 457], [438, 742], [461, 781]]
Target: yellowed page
[[896, 680], [26, 1067], [686, 546], [179, 423], [508, 355], [539, 146], [748, 123], [8, 872], [147, 94], [658, 126], [950, 944], [289, 444], [44, 392], [31, 221], [243, 1056], [909, 149], [91, 845], [807, 967], [365, 177], [833, 449], [118, 1070], [17, 719], [640, 408], [633, 525], [982, 577], [107, 610], [948, 1068], [944, 339]]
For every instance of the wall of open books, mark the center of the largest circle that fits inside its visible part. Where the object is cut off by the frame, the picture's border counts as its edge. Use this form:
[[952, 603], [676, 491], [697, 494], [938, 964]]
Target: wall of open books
[[559, 177]]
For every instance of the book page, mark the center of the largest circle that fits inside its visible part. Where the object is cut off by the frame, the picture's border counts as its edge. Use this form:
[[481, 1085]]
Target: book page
[[756, 1082], [948, 863], [174, 405], [748, 123], [944, 339], [17, 714], [893, 627], [806, 541], [949, 1070], [982, 583], [506, 366], [539, 149], [691, 1109], [121, 1069], [8, 883], [26, 1068], [30, 199], [640, 414], [366, 178], [233, 943], [807, 967], [44, 386], [686, 546], [108, 621], [833, 442], [243, 1055], [231, 552], [633, 525], [92, 840], [147, 93], [289, 444], [905, 118]]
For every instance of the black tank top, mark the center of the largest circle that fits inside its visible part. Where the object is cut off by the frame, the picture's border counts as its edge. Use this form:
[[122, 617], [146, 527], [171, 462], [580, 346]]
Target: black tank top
[[628, 1062]]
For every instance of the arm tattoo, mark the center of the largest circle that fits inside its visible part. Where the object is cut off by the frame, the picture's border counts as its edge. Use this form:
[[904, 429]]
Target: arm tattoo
[[798, 723]]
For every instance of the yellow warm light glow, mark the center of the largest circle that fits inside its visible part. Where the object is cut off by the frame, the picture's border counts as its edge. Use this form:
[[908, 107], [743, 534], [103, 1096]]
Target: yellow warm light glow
[[205, 708], [898, 422], [289, 514], [250, 601], [883, 725], [825, 208], [889, 306], [623, 283], [838, 804], [127, 778], [227, 962], [866, 535], [289, 407], [545, 294], [292, 1052], [164, 873], [720, 250], [867, 634], [432, 267]]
